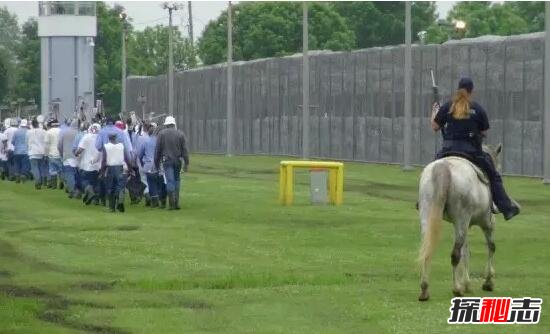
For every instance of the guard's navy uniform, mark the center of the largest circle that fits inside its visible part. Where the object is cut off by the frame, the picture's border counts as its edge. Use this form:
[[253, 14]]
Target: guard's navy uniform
[[463, 137]]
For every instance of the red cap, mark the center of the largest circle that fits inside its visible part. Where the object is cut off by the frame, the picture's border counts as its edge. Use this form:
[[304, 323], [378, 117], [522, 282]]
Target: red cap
[[120, 125]]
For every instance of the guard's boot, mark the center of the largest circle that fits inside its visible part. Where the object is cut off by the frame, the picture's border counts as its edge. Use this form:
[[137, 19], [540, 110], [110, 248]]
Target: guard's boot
[[147, 200], [154, 202], [507, 206], [177, 200]]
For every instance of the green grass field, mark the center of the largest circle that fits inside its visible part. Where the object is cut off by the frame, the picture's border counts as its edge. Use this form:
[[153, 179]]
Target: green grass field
[[234, 261]]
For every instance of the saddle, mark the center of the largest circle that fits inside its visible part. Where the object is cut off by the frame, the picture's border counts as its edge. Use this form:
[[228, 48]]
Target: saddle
[[463, 156]]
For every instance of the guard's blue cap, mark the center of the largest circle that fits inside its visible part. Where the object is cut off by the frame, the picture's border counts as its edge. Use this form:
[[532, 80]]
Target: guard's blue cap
[[467, 84]]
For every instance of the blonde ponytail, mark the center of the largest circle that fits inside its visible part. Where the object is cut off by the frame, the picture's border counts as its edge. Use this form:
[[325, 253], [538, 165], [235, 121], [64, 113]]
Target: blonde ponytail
[[460, 109]]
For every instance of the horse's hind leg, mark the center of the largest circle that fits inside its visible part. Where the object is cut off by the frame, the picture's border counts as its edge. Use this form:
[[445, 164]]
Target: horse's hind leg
[[461, 230], [488, 285], [466, 265]]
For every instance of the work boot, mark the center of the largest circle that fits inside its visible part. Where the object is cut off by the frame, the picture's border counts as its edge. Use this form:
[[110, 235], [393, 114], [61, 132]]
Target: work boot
[[171, 200], [177, 200], [112, 203], [147, 200], [3, 176], [120, 207], [154, 202], [61, 184], [45, 182], [53, 182], [77, 194]]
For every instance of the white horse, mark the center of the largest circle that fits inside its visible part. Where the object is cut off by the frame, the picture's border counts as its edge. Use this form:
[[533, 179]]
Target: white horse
[[455, 190]]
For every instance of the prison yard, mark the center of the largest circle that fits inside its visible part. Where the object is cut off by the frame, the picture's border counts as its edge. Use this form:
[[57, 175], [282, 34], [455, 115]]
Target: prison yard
[[234, 260]]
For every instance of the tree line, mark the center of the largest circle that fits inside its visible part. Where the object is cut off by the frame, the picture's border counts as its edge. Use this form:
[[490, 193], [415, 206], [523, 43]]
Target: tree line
[[260, 30]]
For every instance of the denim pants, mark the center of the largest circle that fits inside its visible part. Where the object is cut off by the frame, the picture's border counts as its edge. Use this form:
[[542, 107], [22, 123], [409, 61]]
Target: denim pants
[[55, 166], [19, 164], [156, 185], [69, 174], [172, 169], [89, 178], [114, 180], [4, 166], [38, 170]]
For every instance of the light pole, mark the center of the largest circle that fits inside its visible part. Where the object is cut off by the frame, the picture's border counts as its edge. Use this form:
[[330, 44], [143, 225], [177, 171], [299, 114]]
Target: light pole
[[407, 122], [305, 82], [171, 7], [229, 125], [142, 99], [546, 118], [123, 17]]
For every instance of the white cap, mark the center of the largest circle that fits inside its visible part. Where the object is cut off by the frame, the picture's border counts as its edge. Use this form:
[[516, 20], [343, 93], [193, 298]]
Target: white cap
[[40, 119], [23, 123], [169, 120]]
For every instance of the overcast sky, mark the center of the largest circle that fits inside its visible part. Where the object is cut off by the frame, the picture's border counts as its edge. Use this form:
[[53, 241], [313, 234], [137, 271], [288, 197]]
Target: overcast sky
[[150, 13]]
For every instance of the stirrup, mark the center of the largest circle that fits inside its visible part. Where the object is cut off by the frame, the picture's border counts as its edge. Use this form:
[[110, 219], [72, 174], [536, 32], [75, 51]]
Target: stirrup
[[494, 209]]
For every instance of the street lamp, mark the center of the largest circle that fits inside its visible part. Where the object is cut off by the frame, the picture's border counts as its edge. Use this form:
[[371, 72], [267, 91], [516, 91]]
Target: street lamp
[[422, 36], [460, 28], [171, 6], [123, 18], [142, 99]]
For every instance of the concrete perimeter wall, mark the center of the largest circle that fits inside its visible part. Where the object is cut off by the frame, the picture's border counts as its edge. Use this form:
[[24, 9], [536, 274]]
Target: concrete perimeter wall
[[357, 101]]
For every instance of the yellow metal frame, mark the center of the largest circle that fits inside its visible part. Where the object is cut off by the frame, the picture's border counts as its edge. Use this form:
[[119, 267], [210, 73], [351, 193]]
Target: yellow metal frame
[[335, 179]]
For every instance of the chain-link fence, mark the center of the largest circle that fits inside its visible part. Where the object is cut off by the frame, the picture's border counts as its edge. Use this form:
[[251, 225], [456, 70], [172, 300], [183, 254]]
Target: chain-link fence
[[357, 101]]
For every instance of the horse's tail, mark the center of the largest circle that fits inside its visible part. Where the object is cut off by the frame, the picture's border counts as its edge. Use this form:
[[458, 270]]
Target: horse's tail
[[440, 181]]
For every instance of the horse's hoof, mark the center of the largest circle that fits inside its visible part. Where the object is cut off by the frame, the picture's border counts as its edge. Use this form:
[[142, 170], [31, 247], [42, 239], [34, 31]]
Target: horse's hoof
[[424, 296], [458, 293], [487, 286]]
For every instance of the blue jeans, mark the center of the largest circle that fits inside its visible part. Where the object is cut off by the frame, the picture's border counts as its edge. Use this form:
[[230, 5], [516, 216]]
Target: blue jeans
[[114, 180], [55, 166], [89, 178], [19, 164], [156, 185], [38, 170], [172, 171], [4, 166], [69, 175]]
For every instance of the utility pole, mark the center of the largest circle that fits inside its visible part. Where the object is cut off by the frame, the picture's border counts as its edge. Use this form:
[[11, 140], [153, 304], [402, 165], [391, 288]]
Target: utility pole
[[123, 16], [229, 123], [305, 83], [546, 118], [171, 7], [407, 122], [190, 22]]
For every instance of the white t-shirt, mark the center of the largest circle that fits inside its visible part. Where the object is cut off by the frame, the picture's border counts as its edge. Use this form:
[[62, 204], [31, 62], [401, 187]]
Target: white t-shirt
[[115, 154], [9, 132], [36, 141], [52, 139], [3, 149], [90, 158]]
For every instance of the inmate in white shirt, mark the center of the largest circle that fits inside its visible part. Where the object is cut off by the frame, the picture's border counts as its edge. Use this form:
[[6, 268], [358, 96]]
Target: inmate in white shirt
[[90, 158], [114, 154]]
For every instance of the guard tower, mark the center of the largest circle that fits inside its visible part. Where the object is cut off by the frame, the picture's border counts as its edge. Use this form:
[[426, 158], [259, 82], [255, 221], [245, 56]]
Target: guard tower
[[67, 30]]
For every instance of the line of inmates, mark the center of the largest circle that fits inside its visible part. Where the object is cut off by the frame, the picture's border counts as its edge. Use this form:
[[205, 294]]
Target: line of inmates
[[97, 163]]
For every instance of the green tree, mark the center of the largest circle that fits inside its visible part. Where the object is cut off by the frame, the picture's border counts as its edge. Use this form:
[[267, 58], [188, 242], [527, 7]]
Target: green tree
[[28, 67], [108, 55], [267, 29], [531, 11], [9, 41], [379, 23], [148, 51]]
